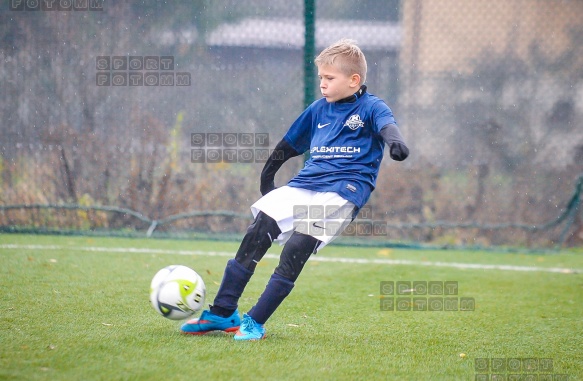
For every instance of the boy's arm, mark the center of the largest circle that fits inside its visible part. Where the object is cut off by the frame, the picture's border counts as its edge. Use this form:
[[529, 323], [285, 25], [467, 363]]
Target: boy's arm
[[283, 152], [397, 147]]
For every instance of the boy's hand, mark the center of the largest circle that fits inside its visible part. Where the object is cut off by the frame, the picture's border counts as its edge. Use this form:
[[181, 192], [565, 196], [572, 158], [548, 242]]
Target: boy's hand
[[399, 151], [393, 138]]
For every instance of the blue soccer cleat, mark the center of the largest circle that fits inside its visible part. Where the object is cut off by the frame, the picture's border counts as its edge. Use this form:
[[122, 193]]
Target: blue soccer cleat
[[208, 322], [250, 330]]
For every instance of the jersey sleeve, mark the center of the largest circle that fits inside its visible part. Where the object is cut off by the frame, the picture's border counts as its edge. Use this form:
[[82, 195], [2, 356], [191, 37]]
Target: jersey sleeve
[[381, 116], [299, 135]]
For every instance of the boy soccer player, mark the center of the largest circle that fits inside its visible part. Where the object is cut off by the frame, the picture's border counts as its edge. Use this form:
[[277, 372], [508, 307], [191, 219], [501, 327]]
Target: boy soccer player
[[345, 131]]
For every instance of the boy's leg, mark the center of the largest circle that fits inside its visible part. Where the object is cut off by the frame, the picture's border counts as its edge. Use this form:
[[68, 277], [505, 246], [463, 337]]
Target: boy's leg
[[294, 256], [223, 315], [239, 270]]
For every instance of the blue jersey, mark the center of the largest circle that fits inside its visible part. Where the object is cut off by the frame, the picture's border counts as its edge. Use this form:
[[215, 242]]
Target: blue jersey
[[345, 146]]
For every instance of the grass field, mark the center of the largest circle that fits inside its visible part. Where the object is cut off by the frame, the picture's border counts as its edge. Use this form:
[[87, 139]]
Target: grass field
[[77, 308]]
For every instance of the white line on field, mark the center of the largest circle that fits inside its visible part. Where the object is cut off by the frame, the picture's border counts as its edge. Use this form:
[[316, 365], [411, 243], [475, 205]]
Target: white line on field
[[476, 266]]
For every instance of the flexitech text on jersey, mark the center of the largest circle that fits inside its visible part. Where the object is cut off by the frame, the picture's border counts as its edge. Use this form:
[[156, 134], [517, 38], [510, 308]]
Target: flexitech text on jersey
[[335, 149], [345, 146]]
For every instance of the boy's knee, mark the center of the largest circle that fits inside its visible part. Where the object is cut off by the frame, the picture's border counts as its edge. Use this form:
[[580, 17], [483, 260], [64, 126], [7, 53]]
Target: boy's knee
[[259, 237], [295, 254], [263, 231]]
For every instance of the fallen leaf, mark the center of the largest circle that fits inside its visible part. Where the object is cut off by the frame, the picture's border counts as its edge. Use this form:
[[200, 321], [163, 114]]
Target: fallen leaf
[[384, 252], [51, 347], [53, 260], [293, 325], [107, 324]]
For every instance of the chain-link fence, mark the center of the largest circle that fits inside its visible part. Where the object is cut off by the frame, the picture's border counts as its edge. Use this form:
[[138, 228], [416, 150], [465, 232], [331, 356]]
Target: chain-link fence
[[105, 105]]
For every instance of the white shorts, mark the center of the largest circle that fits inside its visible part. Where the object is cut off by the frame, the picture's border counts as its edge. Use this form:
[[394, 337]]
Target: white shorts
[[322, 215]]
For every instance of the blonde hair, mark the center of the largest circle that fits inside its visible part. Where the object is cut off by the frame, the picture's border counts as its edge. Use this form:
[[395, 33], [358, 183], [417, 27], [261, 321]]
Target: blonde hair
[[346, 56]]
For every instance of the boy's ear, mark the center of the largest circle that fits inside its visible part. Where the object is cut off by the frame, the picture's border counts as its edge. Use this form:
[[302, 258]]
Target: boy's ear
[[355, 80]]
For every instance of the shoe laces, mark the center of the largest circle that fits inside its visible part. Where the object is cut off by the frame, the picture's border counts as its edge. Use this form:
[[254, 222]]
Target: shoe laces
[[247, 324]]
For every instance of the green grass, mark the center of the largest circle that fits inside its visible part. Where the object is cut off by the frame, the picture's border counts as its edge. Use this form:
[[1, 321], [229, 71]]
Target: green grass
[[73, 314]]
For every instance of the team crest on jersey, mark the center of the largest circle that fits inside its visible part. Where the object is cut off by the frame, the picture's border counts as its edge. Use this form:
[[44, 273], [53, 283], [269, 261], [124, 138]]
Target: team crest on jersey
[[354, 122]]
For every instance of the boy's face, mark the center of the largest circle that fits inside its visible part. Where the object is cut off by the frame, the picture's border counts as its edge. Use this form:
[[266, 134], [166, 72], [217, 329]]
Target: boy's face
[[335, 85]]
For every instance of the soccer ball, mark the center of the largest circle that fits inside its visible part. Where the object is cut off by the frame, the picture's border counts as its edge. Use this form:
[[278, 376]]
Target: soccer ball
[[177, 292]]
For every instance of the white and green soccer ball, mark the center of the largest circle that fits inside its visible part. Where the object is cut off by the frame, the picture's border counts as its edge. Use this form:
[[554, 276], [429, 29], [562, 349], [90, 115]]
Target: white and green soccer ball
[[177, 292]]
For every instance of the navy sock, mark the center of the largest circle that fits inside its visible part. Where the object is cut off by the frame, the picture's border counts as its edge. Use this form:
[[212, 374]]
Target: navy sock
[[275, 292], [235, 279]]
